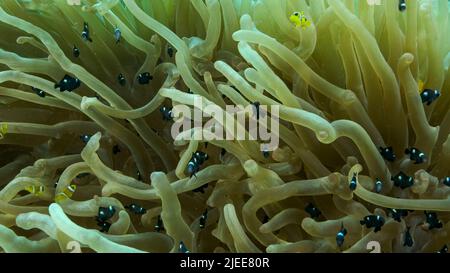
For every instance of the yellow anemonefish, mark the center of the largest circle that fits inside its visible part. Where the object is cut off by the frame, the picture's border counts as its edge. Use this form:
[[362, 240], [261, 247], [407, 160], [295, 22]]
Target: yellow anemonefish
[[299, 19], [36, 190], [66, 194], [421, 84], [3, 130]]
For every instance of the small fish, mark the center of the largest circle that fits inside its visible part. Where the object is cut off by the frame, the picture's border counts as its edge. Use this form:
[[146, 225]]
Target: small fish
[[121, 79], [444, 249], [408, 238], [266, 154], [373, 221], [166, 113], [85, 33], [68, 83], [70, 190], [76, 51], [446, 181], [117, 34], [182, 248], [402, 180], [104, 226], [428, 96], [144, 78], [387, 153], [36, 190], [105, 213], [38, 92], [139, 177], [340, 236], [397, 214], [299, 19], [432, 220], [159, 224], [136, 209], [401, 5], [85, 138], [378, 185], [313, 211], [203, 218], [415, 155], [353, 182], [116, 149], [170, 51]]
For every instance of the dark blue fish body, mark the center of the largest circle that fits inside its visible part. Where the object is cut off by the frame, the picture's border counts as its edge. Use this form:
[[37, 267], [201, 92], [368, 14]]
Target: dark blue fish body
[[121, 79], [182, 248], [402, 5], [203, 219], [166, 113], [313, 211], [378, 185], [428, 96], [136, 209], [266, 154], [432, 220], [117, 35], [446, 181], [353, 182], [159, 224], [387, 153], [68, 83], [373, 221], [398, 214], [76, 51], [416, 155], [38, 92], [340, 236], [85, 138], [402, 180], [105, 213], [144, 78], [170, 51], [104, 226], [444, 249], [85, 33]]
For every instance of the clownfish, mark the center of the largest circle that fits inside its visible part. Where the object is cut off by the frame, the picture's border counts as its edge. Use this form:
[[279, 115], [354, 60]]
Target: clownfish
[[299, 19], [66, 194], [36, 190]]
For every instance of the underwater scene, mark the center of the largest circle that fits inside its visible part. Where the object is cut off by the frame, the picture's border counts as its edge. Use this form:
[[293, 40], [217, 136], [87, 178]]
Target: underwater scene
[[224, 126]]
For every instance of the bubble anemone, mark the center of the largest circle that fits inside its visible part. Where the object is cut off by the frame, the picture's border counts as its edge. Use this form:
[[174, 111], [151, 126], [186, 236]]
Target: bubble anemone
[[348, 83]]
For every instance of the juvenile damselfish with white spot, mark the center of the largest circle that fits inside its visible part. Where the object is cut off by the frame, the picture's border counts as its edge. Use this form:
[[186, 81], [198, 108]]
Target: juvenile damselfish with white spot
[[432, 220], [313, 211], [373, 221], [402, 180], [416, 155], [402, 5], [378, 185], [68, 83], [353, 182], [76, 51], [428, 96], [144, 78], [340, 236], [85, 33], [38, 92], [387, 153]]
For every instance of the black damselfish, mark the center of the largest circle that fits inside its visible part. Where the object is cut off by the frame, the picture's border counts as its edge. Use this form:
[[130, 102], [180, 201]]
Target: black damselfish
[[313, 211], [373, 221], [68, 83], [387, 153], [402, 180]]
